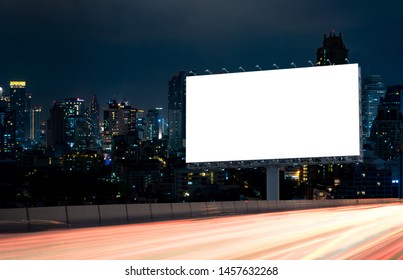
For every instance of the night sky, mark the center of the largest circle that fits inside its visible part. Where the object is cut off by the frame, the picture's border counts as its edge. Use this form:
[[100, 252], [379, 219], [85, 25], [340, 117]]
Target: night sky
[[129, 49]]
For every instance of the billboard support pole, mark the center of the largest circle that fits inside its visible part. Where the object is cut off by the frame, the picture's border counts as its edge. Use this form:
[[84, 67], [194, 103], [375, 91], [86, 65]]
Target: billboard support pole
[[272, 182]]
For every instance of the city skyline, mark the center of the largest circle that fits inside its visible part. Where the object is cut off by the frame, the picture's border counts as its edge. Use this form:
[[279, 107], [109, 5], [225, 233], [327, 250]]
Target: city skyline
[[129, 50]]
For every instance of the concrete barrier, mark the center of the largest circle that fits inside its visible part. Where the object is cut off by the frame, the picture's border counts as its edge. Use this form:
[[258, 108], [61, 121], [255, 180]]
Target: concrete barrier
[[181, 210], [198, 209], [305, 204], [241, 207], [41, 218], [83, 215], [272, 205], [139, 213], [253, 206], [161, 211], [14, 220], [228, 207], [263, 206], [214, 208], [113, 214]]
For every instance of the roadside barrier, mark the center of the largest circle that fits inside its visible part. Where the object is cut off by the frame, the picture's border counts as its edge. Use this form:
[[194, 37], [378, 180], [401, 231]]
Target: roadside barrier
[[56, 217]]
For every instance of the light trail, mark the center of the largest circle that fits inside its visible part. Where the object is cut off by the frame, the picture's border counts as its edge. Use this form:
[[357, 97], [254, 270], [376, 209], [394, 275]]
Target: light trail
[[368, 232]]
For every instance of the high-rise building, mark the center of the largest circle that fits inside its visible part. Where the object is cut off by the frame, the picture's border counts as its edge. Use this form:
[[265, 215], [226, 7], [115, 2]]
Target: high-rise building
[[141, 125], [20, 102], [119, 119], [154, 124], [333, 51], [76, 123], [35, 127], [56, 129], [372, 91], [95, 128], [7, 128], [387, 128], [177, 114]]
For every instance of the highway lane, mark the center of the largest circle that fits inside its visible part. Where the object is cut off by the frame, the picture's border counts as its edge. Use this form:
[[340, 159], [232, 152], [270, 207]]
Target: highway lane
[[367, 232]]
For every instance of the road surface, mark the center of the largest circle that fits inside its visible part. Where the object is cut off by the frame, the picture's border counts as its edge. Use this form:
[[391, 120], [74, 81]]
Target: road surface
[[367, 232]]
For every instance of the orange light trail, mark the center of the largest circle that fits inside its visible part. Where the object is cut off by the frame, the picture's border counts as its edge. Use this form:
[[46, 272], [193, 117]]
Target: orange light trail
[[368, 232]]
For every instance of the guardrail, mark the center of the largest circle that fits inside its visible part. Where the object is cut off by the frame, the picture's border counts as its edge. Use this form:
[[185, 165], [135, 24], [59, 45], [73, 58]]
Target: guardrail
[[44, 218]]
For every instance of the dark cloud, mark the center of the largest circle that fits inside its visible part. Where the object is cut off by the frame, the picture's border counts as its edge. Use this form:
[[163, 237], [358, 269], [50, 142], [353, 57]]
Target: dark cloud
[[130, 49]]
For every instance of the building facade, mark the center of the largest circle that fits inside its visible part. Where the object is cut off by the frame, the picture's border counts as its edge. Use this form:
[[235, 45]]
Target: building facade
[[119, 119], [20, 102], [387, 128], [177, 115], [373, 90], [7, 129], [333, 51]]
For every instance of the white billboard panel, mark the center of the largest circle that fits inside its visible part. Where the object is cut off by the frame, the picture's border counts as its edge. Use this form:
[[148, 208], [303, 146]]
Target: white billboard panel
[[310, 112]]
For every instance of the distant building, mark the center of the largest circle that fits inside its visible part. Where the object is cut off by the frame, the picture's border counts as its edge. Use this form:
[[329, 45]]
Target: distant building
[[83, 161], [7, 130], [373, 90], [155, 124], [20, 102], [200, 185], [177, 114], [75, 122], [333, 51], [119, 119], [387, 128], [94, 123], [35, 125], [373, 178], [56, 129]]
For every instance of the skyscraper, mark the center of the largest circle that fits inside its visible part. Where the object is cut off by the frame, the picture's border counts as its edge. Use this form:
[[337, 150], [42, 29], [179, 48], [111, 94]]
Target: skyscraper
[[7, 128], [372, 91], [56, 129], [177, 114], [75, 120], [386, 131], [154, 124], [94, 114], [119, 119], [333, 51], [35, 126], [20, 103]]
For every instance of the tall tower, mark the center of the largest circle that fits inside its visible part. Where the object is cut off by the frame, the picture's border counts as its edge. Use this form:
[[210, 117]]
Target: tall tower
[[94, 114], [7, 128], [56, 129], [372, 91], [154, 124], [74, 119], [333, 51], [35, 127], [20, 102], [177, 114]]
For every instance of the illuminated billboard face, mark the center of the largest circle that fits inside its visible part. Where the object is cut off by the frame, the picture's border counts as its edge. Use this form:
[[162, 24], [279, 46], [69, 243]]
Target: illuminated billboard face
[[311, 112]]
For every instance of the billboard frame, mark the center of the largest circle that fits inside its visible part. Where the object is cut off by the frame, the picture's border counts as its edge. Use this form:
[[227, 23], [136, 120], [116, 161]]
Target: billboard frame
[[291, 161], [280, 162], [273, 166]]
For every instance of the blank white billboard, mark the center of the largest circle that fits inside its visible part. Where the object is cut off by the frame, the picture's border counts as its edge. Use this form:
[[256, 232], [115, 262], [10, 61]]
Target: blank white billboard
[[311, 112]]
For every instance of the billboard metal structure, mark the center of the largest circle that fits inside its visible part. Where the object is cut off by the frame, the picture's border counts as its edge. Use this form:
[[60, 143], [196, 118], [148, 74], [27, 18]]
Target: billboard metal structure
[[274, 118]]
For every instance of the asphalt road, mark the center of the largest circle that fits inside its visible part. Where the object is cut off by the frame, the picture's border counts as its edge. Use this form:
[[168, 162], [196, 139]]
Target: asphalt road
[[367, 232]]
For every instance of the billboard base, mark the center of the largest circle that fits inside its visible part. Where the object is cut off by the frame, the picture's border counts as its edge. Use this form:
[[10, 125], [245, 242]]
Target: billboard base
[[272, 182]]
